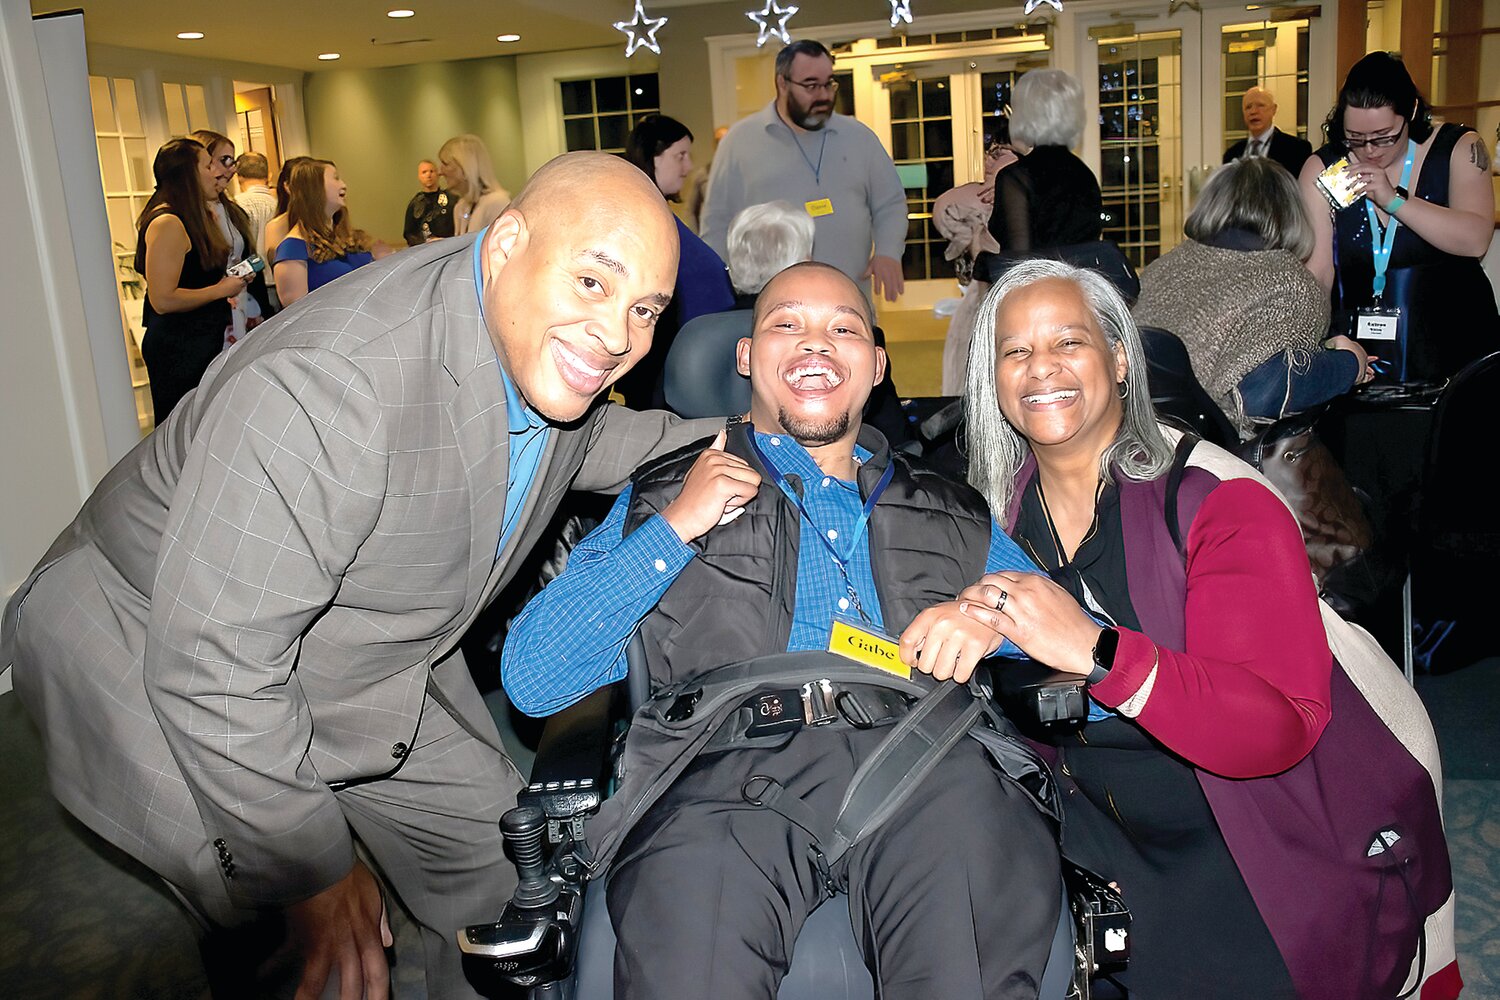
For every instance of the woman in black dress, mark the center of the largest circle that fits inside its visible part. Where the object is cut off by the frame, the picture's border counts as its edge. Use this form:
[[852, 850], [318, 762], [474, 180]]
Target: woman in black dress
[[182, 253], [1432, 184]]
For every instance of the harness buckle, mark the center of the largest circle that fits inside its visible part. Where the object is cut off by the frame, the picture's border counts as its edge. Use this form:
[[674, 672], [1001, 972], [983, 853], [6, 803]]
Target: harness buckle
[[819, 706]]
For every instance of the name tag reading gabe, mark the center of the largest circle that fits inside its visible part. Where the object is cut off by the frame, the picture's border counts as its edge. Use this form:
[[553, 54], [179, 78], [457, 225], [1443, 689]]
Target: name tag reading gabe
[[819, 207], [864, 644]]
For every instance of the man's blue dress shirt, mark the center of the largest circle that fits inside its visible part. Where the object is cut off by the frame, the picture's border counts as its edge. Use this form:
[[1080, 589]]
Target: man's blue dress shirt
[[528, 430], [571, 638]]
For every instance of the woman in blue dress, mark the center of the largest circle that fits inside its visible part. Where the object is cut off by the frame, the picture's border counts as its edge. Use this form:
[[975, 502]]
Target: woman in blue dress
[[321, 245]]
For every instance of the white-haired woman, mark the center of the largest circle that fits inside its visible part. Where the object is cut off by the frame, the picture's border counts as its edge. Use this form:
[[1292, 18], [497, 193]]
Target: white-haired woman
[[1238, 295], [1224, 778], [1049, 197], [465, 162], [764, 240]]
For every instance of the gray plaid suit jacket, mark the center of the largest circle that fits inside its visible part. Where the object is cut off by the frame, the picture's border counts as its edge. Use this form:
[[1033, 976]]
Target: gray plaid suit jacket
[[255, 602]]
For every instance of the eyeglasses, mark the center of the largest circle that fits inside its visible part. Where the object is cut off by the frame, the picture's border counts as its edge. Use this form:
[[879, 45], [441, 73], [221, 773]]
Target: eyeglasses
[[815, 86], [1377, 141]]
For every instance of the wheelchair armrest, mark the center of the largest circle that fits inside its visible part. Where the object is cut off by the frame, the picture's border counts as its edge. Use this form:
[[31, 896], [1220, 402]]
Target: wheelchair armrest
[[571, 769], [1034, 695]]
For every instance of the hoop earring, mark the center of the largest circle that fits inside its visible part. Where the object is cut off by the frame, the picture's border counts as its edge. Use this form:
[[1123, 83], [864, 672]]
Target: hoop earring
[[1122, 388]]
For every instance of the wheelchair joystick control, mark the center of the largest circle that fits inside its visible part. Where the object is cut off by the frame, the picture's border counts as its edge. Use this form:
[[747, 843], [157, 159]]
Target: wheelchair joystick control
[[522, 829]]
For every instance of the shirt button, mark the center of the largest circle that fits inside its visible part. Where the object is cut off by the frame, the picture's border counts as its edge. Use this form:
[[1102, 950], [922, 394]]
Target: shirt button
[[832, 534], [399, 751], [826, 481], [776, 441], [843, 604], [661, 565]]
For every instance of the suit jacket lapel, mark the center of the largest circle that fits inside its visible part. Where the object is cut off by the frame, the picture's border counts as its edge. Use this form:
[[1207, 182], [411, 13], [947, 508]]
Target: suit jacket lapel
[[479, 423]]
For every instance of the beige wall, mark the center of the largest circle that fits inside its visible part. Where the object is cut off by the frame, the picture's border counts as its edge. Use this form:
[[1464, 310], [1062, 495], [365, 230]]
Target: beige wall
[[377, 124]]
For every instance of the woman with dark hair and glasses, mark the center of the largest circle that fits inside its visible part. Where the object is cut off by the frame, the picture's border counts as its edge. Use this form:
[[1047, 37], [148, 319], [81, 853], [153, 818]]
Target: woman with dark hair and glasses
[[663, 148], [183, 253], [234, 225], [1404, 257]]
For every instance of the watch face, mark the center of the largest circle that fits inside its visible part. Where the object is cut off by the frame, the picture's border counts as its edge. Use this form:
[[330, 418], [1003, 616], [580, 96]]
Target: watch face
[[1105, 646]]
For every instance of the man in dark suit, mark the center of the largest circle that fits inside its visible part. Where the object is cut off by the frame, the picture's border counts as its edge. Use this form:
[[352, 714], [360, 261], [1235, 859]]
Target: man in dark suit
[[1265, 139], [243, 653]]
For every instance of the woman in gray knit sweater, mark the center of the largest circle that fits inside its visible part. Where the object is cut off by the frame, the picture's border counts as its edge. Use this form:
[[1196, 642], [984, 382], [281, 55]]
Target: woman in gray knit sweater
[[1238, 295]]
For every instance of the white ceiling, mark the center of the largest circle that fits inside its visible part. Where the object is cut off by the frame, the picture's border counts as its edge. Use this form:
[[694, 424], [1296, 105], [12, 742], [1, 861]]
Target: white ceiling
[[282, 33]]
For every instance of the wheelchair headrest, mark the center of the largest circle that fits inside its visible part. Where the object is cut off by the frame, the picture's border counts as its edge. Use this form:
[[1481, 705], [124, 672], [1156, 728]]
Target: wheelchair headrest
[[700, 378]]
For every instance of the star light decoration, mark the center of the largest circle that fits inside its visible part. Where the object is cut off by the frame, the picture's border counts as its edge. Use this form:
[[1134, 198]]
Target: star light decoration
[[1032, 5], [641, 31], [900, 11], [764, 17]]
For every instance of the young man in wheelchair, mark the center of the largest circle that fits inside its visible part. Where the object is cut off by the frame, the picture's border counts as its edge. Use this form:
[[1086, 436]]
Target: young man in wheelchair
[[800, 531]]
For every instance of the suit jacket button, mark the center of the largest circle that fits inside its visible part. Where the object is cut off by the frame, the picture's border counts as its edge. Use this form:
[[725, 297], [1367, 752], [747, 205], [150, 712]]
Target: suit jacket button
[[399, 751]]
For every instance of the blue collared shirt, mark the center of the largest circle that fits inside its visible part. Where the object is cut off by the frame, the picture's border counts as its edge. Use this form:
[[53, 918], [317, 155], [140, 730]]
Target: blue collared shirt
[[528, 430], [571, 638]]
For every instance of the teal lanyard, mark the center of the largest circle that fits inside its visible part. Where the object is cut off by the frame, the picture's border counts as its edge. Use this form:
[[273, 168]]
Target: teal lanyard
[[817, 170], [1382, 243], [856, 537]]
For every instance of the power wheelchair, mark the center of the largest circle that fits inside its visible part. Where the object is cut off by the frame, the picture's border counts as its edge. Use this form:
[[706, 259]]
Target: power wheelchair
[[554, 940]]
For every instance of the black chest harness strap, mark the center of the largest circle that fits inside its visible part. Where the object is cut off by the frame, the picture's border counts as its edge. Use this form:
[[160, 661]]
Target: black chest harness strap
[[929, 720]]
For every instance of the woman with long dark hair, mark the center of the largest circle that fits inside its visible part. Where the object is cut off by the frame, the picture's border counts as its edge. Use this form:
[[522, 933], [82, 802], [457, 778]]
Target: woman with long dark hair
[[321, 244], [662, 148], [1407, 249], [183, 253], [233, 223]]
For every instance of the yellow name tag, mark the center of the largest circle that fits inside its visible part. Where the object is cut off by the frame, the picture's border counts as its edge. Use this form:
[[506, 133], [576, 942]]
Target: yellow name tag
[[822, 206], [864, 645]]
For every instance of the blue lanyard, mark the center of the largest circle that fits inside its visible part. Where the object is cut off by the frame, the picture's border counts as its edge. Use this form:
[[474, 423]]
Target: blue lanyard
[[1380, 249], [816, 170], [856, 537]]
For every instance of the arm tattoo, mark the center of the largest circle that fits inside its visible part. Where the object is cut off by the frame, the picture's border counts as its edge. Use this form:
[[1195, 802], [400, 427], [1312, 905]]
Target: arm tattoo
[[1479, 156]]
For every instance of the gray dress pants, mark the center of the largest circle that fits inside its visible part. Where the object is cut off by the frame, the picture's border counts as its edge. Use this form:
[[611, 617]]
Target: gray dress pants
[[955, 896]]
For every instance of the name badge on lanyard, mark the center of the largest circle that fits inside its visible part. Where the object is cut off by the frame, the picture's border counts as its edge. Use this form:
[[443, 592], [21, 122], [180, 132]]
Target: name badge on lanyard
[[1372, 324], [819, 207], [864, 643]]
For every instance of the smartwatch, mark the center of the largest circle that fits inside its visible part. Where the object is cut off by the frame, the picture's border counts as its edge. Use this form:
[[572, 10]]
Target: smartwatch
[[1104, 654]]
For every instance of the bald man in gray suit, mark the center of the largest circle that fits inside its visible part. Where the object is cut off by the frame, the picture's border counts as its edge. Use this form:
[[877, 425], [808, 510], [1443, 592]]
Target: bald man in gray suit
[[244, 649]]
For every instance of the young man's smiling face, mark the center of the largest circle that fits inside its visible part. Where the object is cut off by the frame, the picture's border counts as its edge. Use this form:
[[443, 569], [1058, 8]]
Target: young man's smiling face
[[812, 359]]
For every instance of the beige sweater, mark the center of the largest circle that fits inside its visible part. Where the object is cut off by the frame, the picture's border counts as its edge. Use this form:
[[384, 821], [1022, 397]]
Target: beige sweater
[[1233, 309]]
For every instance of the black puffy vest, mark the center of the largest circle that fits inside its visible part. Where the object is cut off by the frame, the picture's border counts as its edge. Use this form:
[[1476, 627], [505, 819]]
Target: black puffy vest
[[929, 537]]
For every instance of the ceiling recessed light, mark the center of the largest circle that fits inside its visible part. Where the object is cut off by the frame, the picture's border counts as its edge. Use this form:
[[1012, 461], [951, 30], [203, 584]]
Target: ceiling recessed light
[[400, 13], [507, 38], [328, 56], [190, 36]]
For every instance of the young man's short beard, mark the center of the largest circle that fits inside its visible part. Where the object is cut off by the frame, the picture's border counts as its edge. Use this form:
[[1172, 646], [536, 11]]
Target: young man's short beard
[[810, 434]]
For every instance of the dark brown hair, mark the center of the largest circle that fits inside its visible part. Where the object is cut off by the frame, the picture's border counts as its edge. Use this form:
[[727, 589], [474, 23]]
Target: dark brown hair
[[238, 218], [179, 192]]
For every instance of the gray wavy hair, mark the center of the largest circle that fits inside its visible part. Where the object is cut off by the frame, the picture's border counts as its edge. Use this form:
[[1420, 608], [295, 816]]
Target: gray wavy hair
[[996, 450], [764, 240], [1046, 109]]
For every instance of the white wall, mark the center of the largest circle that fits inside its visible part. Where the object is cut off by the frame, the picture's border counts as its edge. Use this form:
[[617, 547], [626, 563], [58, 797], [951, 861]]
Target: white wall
[[52, 441]]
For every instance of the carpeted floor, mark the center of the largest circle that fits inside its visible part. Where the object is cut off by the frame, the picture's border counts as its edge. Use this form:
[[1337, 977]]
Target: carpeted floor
[[80, 920]]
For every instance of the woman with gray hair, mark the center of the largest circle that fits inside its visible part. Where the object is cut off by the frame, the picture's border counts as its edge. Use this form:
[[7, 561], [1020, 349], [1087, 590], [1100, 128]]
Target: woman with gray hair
[[1238, 295], [764, 240], [1212, 780], [1048, 198]]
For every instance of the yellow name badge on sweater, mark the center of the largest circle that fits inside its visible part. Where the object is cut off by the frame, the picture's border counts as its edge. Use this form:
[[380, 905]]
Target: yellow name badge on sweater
[[866, 645], [820, 207]]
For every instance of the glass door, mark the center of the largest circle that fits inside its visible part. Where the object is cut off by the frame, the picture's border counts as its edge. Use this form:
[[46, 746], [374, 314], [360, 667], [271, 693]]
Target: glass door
[[1167, 91]]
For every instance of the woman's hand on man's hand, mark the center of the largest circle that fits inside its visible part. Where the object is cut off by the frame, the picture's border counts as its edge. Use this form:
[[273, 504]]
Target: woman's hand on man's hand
[[1037, 615]]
